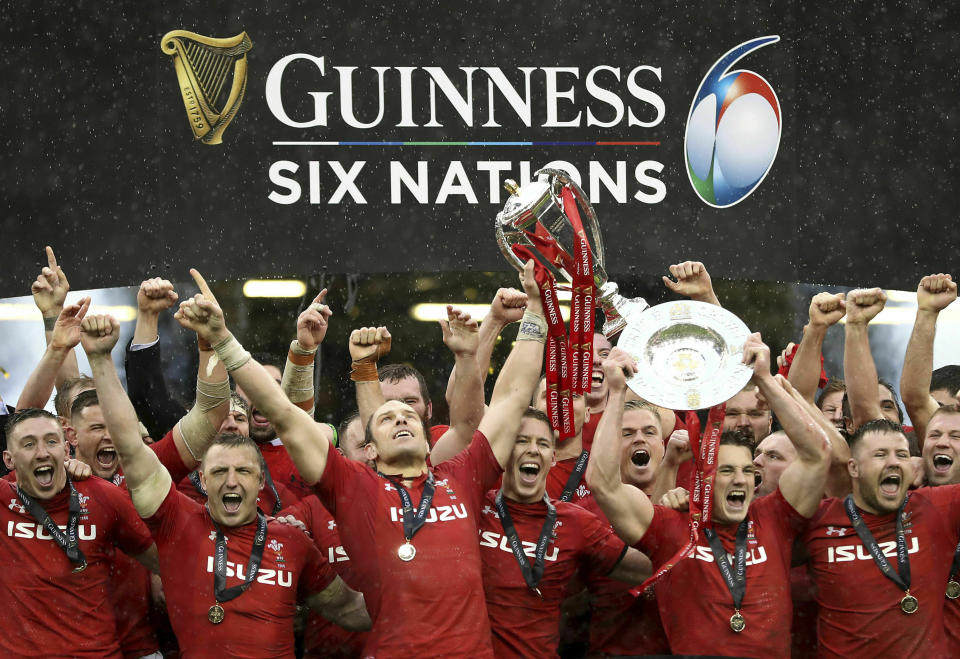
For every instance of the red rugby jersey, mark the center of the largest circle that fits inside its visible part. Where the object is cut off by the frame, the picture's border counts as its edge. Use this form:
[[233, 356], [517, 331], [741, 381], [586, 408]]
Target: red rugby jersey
[[523, 624], [860, 612], [50, 611], [258, 623], [557, 479], [695, 603], [432, 606], [322, 638]]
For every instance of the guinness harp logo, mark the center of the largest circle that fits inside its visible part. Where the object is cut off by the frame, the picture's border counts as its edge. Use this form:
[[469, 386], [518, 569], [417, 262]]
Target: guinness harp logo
[[204, 67]]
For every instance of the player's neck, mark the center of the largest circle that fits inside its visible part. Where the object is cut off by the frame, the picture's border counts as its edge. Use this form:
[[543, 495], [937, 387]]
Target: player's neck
[[860, 503], [595, 403], [571, 448], [512, 494], [403, 470]]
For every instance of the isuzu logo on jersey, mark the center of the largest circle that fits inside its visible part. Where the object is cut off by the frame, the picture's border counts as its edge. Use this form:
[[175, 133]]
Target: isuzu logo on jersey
[[34, 530], [337, 555], [858, 552], [268, 577], [754, 556], [495, 540], [437, 513]]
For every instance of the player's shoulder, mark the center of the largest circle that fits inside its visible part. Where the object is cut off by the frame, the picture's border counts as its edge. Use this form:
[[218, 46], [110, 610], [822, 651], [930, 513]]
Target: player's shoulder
[[103, 490], [937, 495], [574, 512]]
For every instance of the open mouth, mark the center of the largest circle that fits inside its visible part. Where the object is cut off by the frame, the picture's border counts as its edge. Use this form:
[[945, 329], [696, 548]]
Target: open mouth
[[596, 379], [942, 463], [757, 479], [890, 485], [529, 472], [44, 476], [107, 458], [402, 434], [259, 419], [640, 457], [736, 499], [231, 502]]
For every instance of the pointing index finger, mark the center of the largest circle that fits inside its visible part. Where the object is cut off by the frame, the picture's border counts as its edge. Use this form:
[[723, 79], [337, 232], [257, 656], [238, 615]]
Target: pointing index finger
[[202, 285], [51, 258], [320, 297]]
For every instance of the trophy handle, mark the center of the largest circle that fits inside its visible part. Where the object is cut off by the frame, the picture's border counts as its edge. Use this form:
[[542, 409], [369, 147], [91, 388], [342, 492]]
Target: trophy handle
[[596, 243]]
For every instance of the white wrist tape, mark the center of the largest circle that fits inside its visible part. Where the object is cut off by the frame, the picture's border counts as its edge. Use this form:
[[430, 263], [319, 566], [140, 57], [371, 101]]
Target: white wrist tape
[[533, 327], [231, 353]]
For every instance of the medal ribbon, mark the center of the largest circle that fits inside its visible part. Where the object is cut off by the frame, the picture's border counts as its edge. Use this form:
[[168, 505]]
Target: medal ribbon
[[575, 476], [68, 541], [900, 576], [701, 499], [559, 398], [413, 521], [531, 575], [220, 591], [581, 307], [198, 486], [735, 576], [956, 562]]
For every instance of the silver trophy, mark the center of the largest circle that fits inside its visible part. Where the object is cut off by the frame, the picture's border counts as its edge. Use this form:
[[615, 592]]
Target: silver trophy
[[688, 353], [539, 201]]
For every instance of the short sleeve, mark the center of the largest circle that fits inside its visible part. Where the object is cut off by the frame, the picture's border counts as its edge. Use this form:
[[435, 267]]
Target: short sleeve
[[475, 465], [129, 533], [338, 475], [165, 523], [604, 547], [317, 573]]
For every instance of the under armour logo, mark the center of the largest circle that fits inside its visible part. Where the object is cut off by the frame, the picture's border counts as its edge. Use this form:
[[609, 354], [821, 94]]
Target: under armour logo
[[487, 510], [331, 525], [389, 488], [17, 507], [838, 531]]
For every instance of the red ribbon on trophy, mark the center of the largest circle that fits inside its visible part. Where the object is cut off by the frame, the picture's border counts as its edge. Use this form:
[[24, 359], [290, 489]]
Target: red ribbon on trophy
[[568, 362], [701, 497]]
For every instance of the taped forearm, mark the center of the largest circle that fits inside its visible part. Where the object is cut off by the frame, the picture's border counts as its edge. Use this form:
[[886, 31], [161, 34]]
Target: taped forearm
[[297, 381], [196, 427], [150, 493], [231, 353]]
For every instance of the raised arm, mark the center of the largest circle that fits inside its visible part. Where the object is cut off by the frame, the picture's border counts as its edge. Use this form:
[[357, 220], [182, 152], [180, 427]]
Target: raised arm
[[342, 605], [676, 453], [803, 482], [825, 310], [461, 336], [147, 480], [934, 294], [519, 376], [60, 344], [367, 346], [297, 381], [692, 281], [308, 443], [627, 508], [155, 405], [507, 307], [859, 370], [50, 294]]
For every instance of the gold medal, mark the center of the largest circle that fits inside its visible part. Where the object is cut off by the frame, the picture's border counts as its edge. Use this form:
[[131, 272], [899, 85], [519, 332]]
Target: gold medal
[[737, 623], [215, 614], [80, 568], [406, 552], [953, 589], [909, 603]]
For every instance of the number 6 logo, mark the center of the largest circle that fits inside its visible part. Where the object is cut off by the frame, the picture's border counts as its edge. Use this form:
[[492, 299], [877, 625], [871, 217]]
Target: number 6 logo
[[733, 130]]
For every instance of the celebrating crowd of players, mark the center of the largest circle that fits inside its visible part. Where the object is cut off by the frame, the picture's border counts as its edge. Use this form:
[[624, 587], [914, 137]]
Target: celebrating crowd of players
[[132, 527]]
